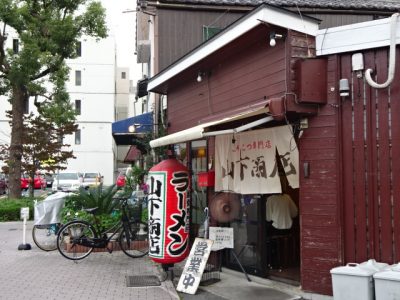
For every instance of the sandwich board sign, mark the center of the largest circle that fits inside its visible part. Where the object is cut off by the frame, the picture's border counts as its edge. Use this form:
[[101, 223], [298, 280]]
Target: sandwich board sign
[[194, 266]]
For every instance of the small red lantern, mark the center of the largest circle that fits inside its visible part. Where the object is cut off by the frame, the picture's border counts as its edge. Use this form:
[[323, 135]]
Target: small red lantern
[[168, 184]]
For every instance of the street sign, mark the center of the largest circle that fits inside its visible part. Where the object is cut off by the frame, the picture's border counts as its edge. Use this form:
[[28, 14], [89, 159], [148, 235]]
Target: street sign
[[24, 213], [222, 237], [194, 266]]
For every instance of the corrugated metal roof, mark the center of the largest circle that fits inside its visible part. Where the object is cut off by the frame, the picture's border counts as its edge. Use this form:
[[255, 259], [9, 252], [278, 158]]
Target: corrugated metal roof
[[380, 5]]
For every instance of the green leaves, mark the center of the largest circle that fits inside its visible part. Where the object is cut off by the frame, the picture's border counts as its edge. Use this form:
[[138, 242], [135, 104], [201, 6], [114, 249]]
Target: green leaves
[[99, 197], [47, 32], [92, 21]]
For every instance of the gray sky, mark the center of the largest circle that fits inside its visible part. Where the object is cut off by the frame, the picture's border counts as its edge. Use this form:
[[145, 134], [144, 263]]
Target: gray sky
[[122, 25]]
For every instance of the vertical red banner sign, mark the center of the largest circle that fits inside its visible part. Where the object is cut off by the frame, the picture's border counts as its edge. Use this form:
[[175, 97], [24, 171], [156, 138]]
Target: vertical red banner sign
[[168, 184]]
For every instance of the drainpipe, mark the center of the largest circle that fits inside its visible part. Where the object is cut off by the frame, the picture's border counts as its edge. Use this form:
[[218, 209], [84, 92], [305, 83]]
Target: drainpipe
[[151, 72], [392, 57]]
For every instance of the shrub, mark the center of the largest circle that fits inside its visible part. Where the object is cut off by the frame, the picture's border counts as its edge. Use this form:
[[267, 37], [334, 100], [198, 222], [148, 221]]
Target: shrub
[[10, 209], [94, 197]]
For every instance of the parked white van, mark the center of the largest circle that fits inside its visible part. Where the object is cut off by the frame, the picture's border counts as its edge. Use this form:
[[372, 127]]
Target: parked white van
[[67, 181], [92, 179]]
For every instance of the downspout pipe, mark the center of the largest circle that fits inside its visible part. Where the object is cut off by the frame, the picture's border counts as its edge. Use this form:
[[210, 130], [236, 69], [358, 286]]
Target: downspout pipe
[[392, 57]]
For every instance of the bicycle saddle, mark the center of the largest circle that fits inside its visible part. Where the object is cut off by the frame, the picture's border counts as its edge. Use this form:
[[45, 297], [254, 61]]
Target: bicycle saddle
[[91, 210]]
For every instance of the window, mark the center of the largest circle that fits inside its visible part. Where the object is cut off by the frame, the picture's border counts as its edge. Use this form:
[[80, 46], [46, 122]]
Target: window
[[15, 46], [198, 160], [79, 49], [78, 137], [123, 75], [78, 79], [78, 107], [209, 32]]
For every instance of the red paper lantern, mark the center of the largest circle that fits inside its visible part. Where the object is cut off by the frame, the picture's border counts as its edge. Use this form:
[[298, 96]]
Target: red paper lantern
[[168, 184]]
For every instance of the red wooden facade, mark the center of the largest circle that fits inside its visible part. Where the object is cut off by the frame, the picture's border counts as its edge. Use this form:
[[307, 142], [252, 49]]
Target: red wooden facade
[[348, 205], [240, 74]]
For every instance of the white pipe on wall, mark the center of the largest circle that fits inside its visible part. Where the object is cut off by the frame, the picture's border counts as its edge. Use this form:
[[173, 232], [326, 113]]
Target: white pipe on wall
[[392, 58]]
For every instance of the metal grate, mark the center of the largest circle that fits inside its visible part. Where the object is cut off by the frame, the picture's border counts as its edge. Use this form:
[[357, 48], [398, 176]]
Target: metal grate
[[140, 280]]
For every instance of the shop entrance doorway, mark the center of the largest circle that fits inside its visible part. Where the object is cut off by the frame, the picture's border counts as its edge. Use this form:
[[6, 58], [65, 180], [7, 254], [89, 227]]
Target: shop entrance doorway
[[263, 249]]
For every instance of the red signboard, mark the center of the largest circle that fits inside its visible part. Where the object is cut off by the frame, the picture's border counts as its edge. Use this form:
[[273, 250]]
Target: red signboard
[[206, 179]]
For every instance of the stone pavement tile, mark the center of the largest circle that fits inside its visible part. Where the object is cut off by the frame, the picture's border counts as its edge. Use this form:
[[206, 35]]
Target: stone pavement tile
[[35, 274]]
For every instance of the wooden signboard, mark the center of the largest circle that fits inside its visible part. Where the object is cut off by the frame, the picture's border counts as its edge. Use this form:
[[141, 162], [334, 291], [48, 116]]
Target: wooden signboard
[[194, 266]]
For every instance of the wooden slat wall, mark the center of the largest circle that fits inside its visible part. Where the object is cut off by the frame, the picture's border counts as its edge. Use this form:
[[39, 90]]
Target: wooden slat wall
[[382, 165], [237, 79], [333, 20], [320, 231], [395, 154], [371, 165], [350, 204], [181, 31], [185, 28]]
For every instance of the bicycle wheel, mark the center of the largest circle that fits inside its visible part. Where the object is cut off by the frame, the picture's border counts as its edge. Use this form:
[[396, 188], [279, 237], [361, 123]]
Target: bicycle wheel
[[70, 239], [135, 242], [45, 236]]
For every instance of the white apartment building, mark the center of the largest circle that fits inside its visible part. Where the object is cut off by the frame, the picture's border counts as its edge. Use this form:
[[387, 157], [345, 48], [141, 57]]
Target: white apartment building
[[92, 89], [125, 94]]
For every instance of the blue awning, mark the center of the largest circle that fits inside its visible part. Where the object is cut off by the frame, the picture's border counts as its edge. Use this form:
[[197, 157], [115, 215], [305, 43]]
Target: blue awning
[[140, 125]]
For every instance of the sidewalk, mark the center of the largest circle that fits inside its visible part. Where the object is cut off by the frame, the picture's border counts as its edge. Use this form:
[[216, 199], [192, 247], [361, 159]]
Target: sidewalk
[[35, 274]]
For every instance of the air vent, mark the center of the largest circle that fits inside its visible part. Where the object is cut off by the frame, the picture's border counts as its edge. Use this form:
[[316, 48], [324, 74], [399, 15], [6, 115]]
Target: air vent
[[141, 89]]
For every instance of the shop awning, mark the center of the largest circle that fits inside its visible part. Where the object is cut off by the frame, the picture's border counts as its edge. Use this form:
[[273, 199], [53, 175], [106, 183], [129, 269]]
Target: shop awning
[[133, 154], [203, 130], [126, 131]]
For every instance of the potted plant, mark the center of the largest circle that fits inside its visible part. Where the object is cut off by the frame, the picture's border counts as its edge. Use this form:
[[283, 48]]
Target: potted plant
[[134, 179], [102, 198]]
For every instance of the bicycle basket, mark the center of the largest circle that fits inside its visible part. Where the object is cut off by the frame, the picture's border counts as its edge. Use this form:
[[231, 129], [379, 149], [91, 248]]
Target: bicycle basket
[[134, 212], [137, 207]]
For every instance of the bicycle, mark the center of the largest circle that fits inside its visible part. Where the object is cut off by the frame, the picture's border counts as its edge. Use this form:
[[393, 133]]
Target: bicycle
[[45, 236], [47, 221], [77, 239]]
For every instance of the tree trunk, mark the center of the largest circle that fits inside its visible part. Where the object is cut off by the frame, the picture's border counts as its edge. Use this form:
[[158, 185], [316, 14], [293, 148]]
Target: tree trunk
[[31, 184], [17, 128]]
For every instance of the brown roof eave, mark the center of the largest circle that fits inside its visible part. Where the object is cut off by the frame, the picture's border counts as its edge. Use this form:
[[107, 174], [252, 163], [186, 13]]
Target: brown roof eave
[[232, 8], [342, 11], [246, 7]]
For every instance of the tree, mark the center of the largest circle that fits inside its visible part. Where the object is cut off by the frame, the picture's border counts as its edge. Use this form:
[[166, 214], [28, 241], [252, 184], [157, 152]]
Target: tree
[[49, 33], [42, 143]]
